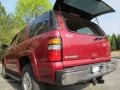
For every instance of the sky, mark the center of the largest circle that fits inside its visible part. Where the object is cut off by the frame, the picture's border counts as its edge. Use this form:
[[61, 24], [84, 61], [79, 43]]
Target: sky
[[110, 23]]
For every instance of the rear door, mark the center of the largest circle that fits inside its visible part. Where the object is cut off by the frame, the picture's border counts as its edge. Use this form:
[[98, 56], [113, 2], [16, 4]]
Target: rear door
[[83, 42], [11, 61], [88, 9]]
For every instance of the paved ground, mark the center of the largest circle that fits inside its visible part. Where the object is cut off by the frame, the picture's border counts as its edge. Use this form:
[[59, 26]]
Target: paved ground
[[112, 82]]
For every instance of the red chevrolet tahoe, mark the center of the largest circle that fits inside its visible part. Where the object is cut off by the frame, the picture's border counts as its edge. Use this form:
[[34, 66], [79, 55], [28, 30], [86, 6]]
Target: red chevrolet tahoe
[[61, 47]]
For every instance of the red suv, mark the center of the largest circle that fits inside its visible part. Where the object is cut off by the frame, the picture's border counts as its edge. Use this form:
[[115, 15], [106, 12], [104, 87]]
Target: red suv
[[61, 47]]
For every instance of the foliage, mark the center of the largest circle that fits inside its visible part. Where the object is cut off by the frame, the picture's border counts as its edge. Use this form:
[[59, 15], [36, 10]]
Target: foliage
[[31, 9], [118, 42], [109, 38], [114, 41], [25, 11], [6, 26]]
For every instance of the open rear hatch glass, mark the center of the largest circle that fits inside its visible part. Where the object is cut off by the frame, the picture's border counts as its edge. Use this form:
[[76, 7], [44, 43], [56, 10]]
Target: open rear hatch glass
[[85, 8]]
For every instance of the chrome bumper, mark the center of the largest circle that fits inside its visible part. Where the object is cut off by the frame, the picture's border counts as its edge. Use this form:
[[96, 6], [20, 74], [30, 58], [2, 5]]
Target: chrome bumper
[[83, 73]]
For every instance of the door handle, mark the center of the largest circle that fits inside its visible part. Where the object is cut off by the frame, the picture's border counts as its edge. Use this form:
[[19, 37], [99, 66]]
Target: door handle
[[98, 38]]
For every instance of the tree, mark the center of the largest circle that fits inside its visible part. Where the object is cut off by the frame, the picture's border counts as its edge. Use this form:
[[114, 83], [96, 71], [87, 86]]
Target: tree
[[31, 9], [118, 42], [6, 25], [109, 37], [113, 42]]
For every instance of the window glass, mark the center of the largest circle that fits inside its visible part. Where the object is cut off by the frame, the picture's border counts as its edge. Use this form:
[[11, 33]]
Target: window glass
[[85, 30], [32, 25], [13, 43], [93, 7], [44, 27], [38, 24], [81, 26], [21, 37]]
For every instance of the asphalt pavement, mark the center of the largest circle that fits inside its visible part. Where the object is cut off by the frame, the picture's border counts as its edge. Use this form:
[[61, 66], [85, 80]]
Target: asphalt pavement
[[112, 82]]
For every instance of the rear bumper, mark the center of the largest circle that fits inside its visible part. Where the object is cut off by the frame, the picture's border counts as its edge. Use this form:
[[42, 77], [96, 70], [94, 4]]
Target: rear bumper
[[83, 73]]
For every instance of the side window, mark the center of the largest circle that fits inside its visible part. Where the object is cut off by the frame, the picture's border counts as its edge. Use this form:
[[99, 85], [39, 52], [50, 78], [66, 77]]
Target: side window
[[45, 26], [32, 29], [21, 37], [13, 43], [40, 25]]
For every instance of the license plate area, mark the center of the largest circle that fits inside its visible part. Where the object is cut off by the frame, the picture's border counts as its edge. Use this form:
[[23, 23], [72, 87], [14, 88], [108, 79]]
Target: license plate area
[[95, 69]]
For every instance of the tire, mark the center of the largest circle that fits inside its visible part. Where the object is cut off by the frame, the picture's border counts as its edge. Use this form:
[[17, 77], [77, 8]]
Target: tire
[[28, 81], [4, 72]]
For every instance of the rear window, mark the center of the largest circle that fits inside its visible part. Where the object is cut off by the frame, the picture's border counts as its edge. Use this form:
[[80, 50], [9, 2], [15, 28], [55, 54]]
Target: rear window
[[93, 7], [85, 30], [75, 24]]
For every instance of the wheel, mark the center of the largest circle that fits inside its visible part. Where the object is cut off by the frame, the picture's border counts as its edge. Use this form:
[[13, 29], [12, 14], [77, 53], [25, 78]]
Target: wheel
[[4, 72], [28, 80]]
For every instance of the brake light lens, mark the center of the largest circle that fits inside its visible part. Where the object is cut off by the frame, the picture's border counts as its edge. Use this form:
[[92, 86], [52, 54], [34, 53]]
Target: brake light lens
[[54, 49]]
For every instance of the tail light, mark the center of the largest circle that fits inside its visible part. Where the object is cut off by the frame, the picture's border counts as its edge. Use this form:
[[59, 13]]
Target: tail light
[[54, 49]]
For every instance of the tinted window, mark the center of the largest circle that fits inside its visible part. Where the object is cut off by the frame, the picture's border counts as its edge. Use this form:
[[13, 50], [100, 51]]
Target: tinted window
[[37, 25], [13, 43], [81, 26], [21, 37], [93, 7], [85, 30], [44, 27]]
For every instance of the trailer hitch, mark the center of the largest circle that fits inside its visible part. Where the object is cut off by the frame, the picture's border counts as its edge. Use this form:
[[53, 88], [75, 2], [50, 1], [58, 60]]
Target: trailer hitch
[[98, 80]]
